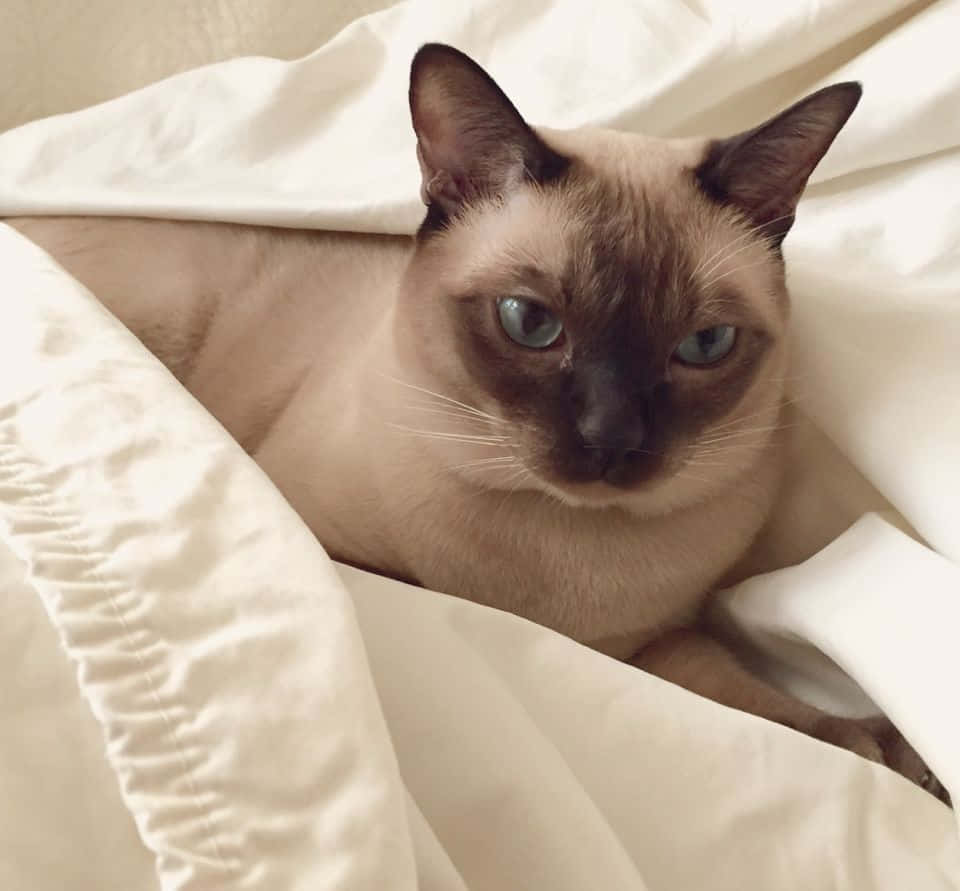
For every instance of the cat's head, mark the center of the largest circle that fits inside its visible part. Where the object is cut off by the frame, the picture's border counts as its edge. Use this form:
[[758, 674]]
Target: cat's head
[[602, 315]]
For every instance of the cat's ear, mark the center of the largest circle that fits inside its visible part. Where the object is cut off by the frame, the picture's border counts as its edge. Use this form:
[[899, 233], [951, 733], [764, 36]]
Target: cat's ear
[[471, 140], [764, 171]]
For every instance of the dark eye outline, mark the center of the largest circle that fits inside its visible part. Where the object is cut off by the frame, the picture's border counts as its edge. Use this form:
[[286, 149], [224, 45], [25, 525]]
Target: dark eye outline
[[676, 357], [558, 338]]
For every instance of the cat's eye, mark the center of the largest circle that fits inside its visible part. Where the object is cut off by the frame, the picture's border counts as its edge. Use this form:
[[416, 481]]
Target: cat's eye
[[707, 346], [529, 323]]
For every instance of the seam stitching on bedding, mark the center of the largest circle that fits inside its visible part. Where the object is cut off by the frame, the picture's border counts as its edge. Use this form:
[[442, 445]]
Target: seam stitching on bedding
[[64, 527]]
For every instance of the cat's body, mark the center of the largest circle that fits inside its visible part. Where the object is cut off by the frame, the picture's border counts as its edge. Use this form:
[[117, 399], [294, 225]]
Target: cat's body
[[234, 312], [563, 398]]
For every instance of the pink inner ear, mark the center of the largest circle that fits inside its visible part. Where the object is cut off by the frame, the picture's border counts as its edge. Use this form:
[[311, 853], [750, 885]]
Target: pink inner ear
[[437, 140], [442, 167], [440, 183], [427, 175]]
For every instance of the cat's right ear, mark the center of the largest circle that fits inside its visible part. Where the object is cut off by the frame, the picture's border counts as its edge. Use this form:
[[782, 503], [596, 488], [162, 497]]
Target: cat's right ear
[[471, 141]]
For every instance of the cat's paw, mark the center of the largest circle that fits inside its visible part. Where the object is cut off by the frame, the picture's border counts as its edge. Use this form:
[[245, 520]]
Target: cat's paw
[[878, 740]]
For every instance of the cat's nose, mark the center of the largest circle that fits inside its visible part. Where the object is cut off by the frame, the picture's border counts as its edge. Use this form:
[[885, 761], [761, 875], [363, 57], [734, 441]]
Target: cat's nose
[[611, 432], [612, 445]]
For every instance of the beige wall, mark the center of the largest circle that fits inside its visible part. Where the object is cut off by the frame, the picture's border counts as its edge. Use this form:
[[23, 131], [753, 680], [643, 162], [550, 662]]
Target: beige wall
[[61, 55]]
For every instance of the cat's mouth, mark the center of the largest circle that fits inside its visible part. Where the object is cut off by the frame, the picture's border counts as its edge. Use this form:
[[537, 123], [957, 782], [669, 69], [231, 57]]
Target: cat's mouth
[[640, 481], [636, 479], [605, 469]]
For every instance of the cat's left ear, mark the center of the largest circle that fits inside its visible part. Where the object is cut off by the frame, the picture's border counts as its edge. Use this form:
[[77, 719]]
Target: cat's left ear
[[471, 140], [763, 171]]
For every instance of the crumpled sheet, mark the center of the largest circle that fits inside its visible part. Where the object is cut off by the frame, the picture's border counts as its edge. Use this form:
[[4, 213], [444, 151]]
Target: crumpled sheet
[[243, 714]]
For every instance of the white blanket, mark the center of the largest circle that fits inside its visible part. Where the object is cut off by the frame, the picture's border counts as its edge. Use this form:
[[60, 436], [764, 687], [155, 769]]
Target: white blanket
[[243, 714]]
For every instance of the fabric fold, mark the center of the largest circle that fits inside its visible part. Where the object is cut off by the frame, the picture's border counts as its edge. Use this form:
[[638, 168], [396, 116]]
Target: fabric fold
[[237, 708]]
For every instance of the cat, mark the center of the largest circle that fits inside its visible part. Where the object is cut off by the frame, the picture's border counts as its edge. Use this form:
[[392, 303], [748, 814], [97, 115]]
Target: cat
[[563, 397]]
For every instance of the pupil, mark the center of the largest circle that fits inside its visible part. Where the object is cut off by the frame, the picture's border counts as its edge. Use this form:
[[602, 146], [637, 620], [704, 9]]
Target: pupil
[[708, 338], [533, 318]]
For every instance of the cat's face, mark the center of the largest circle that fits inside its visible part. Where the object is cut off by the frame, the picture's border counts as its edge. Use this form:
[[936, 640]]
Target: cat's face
[[611, 307]]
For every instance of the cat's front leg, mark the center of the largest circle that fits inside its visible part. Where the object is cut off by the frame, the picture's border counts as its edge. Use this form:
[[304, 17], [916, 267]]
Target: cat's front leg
[[702, 664]]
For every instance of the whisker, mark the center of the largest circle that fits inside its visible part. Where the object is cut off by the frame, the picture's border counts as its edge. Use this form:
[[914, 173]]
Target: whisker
[[735, 449], [487, 462], [741, 433], [736, 422], [521, 476], [455, 414], [449, 399], [771, 409], [457, 437], [755, 424], [428, 401]]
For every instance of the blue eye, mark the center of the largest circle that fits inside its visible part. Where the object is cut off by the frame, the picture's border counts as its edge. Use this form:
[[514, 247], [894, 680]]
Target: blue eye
[[707, 346], [528, 323]]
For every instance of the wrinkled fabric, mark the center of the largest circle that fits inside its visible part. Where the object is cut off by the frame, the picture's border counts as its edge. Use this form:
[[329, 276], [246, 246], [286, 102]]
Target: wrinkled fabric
[[221, 706]]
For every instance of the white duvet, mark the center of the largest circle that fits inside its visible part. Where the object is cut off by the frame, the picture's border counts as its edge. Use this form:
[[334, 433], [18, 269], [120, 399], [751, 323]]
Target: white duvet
[[195, 697]]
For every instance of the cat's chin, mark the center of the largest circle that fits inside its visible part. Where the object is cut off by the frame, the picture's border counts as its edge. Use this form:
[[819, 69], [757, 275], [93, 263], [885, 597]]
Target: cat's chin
[[651, 499]]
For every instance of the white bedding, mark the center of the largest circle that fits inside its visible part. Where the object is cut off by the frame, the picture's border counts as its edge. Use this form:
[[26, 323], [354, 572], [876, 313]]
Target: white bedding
[[241, 713]]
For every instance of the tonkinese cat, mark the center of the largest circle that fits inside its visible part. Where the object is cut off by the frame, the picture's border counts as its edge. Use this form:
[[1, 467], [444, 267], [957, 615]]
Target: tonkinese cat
[[562, 398]]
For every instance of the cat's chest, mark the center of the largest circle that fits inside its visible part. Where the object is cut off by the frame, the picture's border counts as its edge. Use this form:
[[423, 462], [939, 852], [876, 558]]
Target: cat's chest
[[609, 580]]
